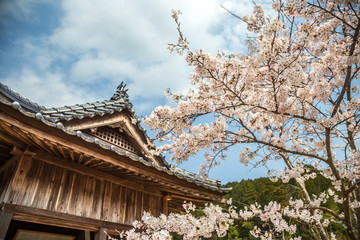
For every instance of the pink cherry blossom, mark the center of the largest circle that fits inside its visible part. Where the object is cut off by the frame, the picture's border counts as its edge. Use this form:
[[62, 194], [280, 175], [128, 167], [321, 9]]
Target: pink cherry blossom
[[294, 97]]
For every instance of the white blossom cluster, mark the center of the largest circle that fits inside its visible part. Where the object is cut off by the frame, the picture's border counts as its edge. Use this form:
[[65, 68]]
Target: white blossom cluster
[[214, 220], [293, 97]]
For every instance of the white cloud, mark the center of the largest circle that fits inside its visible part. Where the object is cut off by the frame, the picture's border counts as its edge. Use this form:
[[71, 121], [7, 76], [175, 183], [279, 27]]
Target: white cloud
[[15, 8], [92, 68], [49, 88], [106, 42], [121, 40], [119, 29], [98, 44]]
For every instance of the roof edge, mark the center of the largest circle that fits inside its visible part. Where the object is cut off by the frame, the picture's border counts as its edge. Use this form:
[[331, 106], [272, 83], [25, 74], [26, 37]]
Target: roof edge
[[213, 185]]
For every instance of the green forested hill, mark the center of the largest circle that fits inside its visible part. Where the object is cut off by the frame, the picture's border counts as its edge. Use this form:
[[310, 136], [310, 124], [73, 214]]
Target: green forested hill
[[262, 191]]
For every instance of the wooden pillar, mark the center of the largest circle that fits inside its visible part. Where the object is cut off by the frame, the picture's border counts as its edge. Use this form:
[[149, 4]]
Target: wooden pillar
[[87, 235], [165, 206], [5, 219], [84, 235], [101, 235]]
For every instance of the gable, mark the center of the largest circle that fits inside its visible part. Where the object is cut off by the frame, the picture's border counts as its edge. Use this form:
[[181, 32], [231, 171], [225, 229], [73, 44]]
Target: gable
[[115, 137], [119, 129]]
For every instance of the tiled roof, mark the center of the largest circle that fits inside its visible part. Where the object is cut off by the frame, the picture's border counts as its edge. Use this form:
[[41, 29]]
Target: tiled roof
[[24, 102], [80, 111], [118, 102], [53, 117]]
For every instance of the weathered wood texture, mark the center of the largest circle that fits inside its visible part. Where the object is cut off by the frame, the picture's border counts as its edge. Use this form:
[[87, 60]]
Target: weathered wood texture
[[45, 186], [101, 234], [5, 178], [63, 220], [5, 219]]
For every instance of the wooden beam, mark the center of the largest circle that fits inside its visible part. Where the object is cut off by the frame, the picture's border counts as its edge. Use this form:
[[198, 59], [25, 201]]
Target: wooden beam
[[5, 137], [9, 163], [101, 234], [94, 122], [81, 156], [12, 131], [181, 191], [29, 139], [5, 219], [40, 143], [72, 156], [192, 199], [16, 151], [41, 216], [165, 207]]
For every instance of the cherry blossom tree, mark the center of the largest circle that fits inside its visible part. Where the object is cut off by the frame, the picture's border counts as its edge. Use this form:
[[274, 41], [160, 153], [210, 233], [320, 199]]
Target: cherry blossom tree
[[292, 97]]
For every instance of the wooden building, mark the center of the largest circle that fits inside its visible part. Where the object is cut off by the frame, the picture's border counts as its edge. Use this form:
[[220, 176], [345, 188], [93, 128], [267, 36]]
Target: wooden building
[[72, 172]]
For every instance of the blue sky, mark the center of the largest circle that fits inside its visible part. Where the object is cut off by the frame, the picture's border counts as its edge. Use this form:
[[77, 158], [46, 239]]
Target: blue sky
[[60, 53]]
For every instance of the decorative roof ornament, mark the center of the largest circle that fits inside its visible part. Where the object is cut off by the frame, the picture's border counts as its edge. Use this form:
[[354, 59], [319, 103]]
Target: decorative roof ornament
[[121, 92]]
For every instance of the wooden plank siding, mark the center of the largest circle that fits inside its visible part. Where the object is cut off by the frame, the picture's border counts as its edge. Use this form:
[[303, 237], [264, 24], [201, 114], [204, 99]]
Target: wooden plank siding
[[5, 219], [5, 178], [39, 184]]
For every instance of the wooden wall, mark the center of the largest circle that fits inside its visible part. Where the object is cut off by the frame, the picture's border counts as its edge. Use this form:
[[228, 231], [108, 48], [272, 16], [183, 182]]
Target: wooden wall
[[42, 185], [5, 178]]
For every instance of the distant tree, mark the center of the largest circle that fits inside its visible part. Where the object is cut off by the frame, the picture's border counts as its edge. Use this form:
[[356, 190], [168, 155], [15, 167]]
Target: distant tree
[[293, 97], [267, 191]]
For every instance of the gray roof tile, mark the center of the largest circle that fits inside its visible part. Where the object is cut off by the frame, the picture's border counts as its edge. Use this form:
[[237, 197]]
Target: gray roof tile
[[76, 107], [48, 111], [80, 111], [98, 105]]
